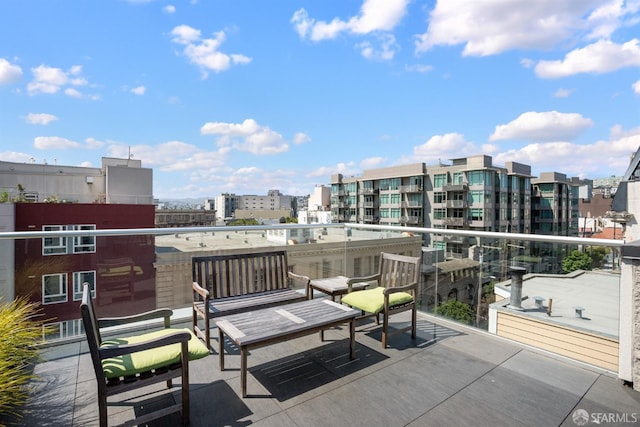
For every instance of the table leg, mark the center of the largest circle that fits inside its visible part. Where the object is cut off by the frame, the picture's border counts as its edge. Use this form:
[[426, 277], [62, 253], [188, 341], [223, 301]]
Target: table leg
[[221, 350], [352, 336], [243, 370]]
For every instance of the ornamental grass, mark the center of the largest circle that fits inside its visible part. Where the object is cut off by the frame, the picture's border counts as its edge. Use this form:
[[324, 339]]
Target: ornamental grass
[[20, 331]]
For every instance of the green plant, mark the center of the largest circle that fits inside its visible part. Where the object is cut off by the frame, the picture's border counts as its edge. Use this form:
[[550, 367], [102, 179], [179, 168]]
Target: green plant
[[21, 331], [576, 260], [456, 310]]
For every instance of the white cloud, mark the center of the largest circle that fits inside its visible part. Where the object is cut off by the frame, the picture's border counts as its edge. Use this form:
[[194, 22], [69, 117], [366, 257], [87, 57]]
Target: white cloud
[[139, 90], [169, 9], [347, 168], [372, 163], [301, 138], [490, 27], [562, 93], [40, 118], [609, 17], [13, 156], [443, 147], [600, 57], [247, 136], [374, 16], [544, 126], [9, 73], [615, 153], [205, 53], [51, 80], [636, 87], [418, 68], [54, 143], [383, 48]]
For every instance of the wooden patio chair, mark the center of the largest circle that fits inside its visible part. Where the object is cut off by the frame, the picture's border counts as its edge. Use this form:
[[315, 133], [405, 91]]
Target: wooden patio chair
[[397, 286], [123, 364]]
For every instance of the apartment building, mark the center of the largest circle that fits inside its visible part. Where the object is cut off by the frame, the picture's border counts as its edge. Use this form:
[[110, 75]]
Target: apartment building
[[470, 193]]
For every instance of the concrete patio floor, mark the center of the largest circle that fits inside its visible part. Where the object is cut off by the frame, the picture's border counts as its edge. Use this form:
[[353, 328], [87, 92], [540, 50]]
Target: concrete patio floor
[[448, 376]]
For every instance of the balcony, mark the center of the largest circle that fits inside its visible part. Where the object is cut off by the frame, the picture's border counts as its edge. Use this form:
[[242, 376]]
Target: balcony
[[456, 222], [455, 187], [471, 374], [459, 204], [411, 188]]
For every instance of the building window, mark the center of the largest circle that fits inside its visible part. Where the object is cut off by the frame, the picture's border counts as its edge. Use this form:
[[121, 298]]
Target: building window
[[83, 244], [54, 288], [60, 245], [439, 180], [54, 245], [65, 329], [79, 278]]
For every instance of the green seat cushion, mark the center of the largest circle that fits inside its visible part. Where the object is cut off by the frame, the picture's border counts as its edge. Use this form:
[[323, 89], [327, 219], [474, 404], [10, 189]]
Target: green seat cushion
[[372, 300], [141, 361]]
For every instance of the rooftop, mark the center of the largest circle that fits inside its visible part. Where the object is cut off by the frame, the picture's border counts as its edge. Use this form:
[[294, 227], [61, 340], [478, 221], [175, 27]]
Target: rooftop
[[451, 375]]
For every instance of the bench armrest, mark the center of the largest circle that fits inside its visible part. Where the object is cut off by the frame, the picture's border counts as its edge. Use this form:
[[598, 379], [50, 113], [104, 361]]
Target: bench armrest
[[165, 313], [204, 294], [119, 350]]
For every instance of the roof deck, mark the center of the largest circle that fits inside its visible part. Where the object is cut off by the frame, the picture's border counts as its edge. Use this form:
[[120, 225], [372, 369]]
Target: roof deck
[[451, 375]]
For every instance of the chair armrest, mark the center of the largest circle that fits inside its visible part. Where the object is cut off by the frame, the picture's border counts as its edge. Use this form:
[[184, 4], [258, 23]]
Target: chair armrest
[[119, 350], [204, 294], [353, 280], [412, 286], [165, 313]]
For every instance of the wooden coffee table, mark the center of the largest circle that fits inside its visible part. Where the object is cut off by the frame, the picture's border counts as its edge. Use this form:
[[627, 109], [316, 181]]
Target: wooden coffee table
[[334, 286], [267, 326]]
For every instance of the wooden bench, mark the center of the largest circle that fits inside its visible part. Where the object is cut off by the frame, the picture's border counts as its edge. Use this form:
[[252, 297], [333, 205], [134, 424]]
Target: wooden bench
[[229, 284]]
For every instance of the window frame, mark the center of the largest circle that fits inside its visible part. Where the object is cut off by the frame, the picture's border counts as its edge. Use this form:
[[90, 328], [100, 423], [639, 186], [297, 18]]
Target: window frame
[[62, 296]]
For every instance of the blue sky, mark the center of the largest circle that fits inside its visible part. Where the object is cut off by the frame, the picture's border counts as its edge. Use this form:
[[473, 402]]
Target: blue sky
[[246, 96]]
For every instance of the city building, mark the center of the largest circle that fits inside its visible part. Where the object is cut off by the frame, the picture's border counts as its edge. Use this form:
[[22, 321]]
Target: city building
[[56, 198], [227, 205], [318, 209]]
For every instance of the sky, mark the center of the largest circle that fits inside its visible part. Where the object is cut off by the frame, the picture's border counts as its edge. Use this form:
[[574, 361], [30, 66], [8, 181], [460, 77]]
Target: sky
[[247, 96]]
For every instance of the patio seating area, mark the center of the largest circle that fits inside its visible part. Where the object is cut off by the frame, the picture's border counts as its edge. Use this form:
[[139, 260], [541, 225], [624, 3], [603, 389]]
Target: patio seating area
[[450, 375]]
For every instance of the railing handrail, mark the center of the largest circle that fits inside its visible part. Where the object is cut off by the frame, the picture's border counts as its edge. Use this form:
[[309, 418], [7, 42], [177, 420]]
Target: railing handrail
[[12, 235]]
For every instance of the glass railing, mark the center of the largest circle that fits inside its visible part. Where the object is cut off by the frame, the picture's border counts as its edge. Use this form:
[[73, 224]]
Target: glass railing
[[466, 276]]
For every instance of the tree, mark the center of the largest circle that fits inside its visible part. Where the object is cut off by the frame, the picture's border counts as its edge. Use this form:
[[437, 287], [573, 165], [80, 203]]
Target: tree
[[597, 254], [456, 310], [576, 260]]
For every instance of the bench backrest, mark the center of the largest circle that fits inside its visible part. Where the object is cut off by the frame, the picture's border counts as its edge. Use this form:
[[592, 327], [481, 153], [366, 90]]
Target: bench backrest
[[241, 274]]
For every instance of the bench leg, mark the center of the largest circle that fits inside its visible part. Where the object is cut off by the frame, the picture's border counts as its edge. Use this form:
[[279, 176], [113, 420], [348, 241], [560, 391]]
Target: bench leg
[[221, 351], [243, 371]]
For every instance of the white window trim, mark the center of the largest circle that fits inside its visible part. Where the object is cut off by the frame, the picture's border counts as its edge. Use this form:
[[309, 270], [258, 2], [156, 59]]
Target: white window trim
[[77, 284], [65, 289], [76, 246], [61, 248]]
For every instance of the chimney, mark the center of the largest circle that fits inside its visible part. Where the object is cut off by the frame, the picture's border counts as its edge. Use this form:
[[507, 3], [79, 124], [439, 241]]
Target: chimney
[[516, 288]]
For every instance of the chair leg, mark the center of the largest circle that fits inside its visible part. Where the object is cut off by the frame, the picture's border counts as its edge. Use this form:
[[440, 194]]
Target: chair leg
[[102, 408], [385, 329], [414, 322], [185, 384]]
